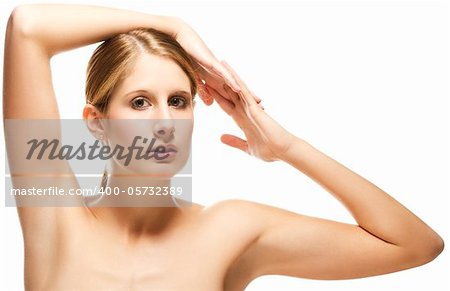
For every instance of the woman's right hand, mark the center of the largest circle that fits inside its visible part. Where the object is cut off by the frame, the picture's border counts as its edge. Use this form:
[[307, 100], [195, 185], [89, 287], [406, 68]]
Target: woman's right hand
[[209, 68]]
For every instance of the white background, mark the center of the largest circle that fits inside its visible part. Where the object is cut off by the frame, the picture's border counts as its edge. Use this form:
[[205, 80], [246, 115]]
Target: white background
[[364, 82]]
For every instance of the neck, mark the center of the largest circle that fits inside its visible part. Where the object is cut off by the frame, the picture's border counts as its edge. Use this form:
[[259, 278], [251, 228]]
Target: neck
[[137, 210]]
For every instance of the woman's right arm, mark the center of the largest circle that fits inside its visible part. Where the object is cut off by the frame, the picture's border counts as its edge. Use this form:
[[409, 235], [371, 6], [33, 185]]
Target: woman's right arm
[[61, 27], [36, 32]]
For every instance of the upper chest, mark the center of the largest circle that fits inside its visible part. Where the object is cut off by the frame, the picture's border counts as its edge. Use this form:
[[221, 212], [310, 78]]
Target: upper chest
[[194, 257]]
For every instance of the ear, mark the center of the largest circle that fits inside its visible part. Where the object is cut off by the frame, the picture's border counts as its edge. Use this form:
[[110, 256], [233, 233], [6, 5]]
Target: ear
[[93, 118]]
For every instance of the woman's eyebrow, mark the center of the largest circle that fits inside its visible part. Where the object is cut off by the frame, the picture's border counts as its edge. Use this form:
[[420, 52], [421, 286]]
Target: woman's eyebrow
[[182, 92], [137, 91]]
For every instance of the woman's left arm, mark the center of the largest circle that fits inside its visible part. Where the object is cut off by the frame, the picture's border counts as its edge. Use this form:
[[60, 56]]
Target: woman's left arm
[[388, 236]]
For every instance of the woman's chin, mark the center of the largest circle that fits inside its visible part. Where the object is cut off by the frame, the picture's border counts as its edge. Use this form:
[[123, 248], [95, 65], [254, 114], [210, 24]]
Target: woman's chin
[[162, 170]]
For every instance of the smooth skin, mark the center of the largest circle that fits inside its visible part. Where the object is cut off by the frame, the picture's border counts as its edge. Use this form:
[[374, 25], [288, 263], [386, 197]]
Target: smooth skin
[[67, 249]]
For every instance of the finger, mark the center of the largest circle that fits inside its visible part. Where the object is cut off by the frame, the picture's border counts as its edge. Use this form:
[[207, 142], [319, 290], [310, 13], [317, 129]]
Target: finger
[[257, 99], [217, 69], [230, 94], [245, 94], [205, 95], [220, 70], [235, 142], [224, 103], [215, 81]]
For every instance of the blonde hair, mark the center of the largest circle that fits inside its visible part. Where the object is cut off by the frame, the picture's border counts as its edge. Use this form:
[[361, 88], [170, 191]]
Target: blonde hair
[[113, 59]]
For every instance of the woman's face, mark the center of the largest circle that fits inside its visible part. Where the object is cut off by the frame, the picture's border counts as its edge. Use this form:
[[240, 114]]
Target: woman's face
[[153, 105]]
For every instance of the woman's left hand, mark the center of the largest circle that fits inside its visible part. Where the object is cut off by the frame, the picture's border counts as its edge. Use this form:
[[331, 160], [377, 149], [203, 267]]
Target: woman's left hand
[[266, 139]]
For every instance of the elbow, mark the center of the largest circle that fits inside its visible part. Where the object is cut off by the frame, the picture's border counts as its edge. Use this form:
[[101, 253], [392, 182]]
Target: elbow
[[436, 248], [429, 250], [20, 21]]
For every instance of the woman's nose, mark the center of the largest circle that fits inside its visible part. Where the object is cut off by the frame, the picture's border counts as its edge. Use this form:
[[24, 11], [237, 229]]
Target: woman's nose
[[164, 126], [164, 129]]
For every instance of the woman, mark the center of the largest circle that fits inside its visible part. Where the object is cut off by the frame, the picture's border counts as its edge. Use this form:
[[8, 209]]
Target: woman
[[171, 247]]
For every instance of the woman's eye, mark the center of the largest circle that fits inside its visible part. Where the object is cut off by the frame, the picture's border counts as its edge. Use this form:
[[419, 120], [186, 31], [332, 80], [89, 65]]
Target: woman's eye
[[177, 100], [139, 102]]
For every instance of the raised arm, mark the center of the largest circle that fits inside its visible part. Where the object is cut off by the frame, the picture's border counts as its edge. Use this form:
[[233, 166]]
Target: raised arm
[[387, 238], [60, 27], [37, 32]]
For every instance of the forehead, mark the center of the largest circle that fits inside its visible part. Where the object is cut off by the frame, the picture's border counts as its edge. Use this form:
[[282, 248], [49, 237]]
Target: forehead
[[157, 74]]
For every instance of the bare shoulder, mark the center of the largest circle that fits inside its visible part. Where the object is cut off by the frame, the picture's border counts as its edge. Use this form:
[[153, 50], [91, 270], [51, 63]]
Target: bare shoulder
[[244, 221], [224, 205], [234, 204], [237, 215], [242, 209]]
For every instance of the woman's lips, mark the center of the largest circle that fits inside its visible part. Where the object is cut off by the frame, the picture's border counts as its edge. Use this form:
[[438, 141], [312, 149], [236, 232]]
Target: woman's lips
[[166, 147], [164, 152]]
